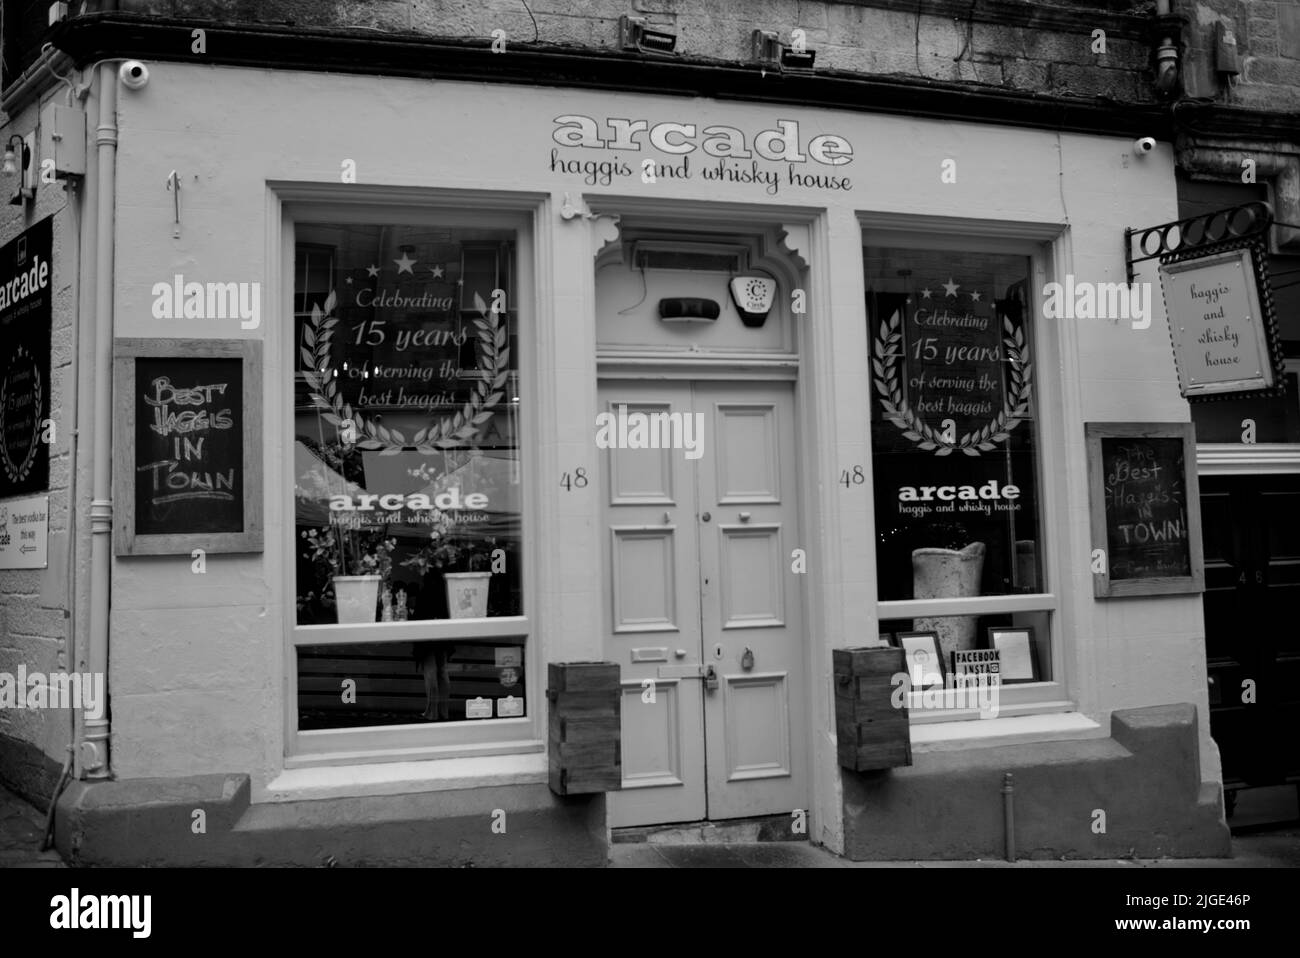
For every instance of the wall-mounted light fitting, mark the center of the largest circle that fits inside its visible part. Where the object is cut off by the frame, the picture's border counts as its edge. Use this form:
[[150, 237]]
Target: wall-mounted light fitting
[[19, 162], [633, 34], [769, 50], [10, 166]]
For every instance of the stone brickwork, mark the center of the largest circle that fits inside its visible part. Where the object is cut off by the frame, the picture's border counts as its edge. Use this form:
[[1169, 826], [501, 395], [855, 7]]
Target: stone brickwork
[[1039, 47], [1268, 52], [34, 602]]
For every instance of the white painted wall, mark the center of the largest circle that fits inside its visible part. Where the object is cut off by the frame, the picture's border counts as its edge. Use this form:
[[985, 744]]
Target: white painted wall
[[196, 662]]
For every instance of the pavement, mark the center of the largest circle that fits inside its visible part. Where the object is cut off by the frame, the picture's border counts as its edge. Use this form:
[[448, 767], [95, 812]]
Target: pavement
[[1272, 849], [22, 826], [21, 829]]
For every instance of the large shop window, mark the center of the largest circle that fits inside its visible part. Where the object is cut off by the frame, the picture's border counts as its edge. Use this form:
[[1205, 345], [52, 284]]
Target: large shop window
[[957, 460], [408, 510]]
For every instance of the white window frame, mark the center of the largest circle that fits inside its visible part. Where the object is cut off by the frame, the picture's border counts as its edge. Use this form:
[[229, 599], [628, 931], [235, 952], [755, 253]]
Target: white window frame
[[1041, 244], [442, 740]]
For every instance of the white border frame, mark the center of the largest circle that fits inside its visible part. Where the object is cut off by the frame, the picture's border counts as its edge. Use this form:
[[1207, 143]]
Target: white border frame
[[290, 203]]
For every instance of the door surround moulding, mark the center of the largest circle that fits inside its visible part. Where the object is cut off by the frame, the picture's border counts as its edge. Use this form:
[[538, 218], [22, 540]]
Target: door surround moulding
[[1221, 159]]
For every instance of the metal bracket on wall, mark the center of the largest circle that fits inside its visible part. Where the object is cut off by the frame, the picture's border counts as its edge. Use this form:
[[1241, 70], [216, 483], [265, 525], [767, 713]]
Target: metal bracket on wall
[[1203, 234], [174, 187]]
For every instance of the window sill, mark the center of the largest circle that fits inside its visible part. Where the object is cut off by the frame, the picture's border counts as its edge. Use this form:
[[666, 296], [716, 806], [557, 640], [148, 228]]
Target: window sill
[[1004, 730], [400, 778]]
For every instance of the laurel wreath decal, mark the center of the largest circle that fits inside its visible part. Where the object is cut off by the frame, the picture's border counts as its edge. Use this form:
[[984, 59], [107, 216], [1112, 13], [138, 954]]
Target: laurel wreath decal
[[17, 473], [446, 433], [899, 412]]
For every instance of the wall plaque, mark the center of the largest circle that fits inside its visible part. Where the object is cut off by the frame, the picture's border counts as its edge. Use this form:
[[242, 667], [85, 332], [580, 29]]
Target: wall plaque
[[25, 533]]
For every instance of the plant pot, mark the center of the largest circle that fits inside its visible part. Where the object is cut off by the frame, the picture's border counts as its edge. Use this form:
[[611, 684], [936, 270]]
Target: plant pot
[[947, 574], [357, 597], [467, 594]]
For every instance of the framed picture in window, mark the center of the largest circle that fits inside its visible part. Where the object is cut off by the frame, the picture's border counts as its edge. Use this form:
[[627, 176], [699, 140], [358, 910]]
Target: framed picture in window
[[924, 663], [1016, 658]]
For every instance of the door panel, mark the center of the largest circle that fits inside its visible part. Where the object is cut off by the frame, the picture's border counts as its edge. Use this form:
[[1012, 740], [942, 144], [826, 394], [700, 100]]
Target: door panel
[[750, 600], [697, 560], [1251, 528], [652, 612]]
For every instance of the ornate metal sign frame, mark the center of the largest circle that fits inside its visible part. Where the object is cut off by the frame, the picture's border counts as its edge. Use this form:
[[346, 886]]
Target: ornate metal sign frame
[[1243, 227]]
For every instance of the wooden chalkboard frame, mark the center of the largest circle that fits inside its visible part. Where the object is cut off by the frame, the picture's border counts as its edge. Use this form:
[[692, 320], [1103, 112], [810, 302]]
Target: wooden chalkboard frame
[[1102, 585], [125, 354]]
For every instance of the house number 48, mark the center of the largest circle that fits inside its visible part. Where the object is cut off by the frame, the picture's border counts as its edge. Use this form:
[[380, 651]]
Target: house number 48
[[575, 480]]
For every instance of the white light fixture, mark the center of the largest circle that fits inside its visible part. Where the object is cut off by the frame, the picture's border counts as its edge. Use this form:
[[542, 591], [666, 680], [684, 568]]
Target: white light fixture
[[10, 167]]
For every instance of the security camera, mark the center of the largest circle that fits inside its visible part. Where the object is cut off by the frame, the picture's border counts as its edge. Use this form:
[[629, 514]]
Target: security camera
[[133, 74], [1144, 145]]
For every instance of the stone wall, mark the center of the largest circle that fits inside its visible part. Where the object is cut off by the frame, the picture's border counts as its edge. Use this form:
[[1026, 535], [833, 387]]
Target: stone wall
[[1013, 44], [1268, 52], [34, 603]]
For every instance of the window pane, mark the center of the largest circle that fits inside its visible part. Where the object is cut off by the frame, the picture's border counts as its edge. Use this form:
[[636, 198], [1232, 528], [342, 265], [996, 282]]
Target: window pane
[[1036, 622], [403, 683], [406, 454], [954, 428]]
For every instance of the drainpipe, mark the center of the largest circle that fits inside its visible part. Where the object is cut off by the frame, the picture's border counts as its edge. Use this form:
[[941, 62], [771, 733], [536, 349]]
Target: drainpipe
[[1167, 31], [95, 744]]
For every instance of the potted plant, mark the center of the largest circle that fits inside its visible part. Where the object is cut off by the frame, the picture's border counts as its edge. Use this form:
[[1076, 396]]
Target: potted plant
[[355, 562], [949, 566], [465, 558]]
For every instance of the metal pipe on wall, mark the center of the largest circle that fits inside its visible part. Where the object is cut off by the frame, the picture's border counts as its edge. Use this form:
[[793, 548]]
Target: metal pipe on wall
[[1009, 814], [95, 744]]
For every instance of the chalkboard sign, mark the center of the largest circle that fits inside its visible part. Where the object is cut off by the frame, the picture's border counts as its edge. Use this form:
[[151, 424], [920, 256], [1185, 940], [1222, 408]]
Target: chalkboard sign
[[1145, 509], [188, 446]]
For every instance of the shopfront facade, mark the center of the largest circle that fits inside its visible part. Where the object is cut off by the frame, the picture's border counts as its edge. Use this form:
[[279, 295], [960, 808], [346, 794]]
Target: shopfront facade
[[462, 295]]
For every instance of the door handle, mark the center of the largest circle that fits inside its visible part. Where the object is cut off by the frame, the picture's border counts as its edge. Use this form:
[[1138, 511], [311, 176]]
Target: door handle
[[744, 517], [706, 517]]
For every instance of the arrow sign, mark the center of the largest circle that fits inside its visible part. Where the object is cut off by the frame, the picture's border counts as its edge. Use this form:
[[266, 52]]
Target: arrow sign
[[25, 542]]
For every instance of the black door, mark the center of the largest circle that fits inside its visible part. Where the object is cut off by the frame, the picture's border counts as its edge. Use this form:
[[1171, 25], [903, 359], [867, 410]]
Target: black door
[[1252, 623]]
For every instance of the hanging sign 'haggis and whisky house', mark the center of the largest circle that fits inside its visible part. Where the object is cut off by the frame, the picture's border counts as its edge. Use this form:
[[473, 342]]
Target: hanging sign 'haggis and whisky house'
[[1218, 299], [1218, 324]]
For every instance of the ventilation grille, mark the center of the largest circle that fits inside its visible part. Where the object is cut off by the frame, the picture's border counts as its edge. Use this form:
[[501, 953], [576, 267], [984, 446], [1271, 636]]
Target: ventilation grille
[[705, 257]]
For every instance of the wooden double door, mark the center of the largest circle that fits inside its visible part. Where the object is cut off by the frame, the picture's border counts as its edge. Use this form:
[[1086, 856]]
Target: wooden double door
[[702, 610], [1251, 528]]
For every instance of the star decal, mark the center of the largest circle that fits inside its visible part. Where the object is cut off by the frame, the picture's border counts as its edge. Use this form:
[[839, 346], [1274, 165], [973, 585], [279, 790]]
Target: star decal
[[404, 265], [372, 271], [975, 297], [437, 272], [348, 281], [951, 287], [925, 293]]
